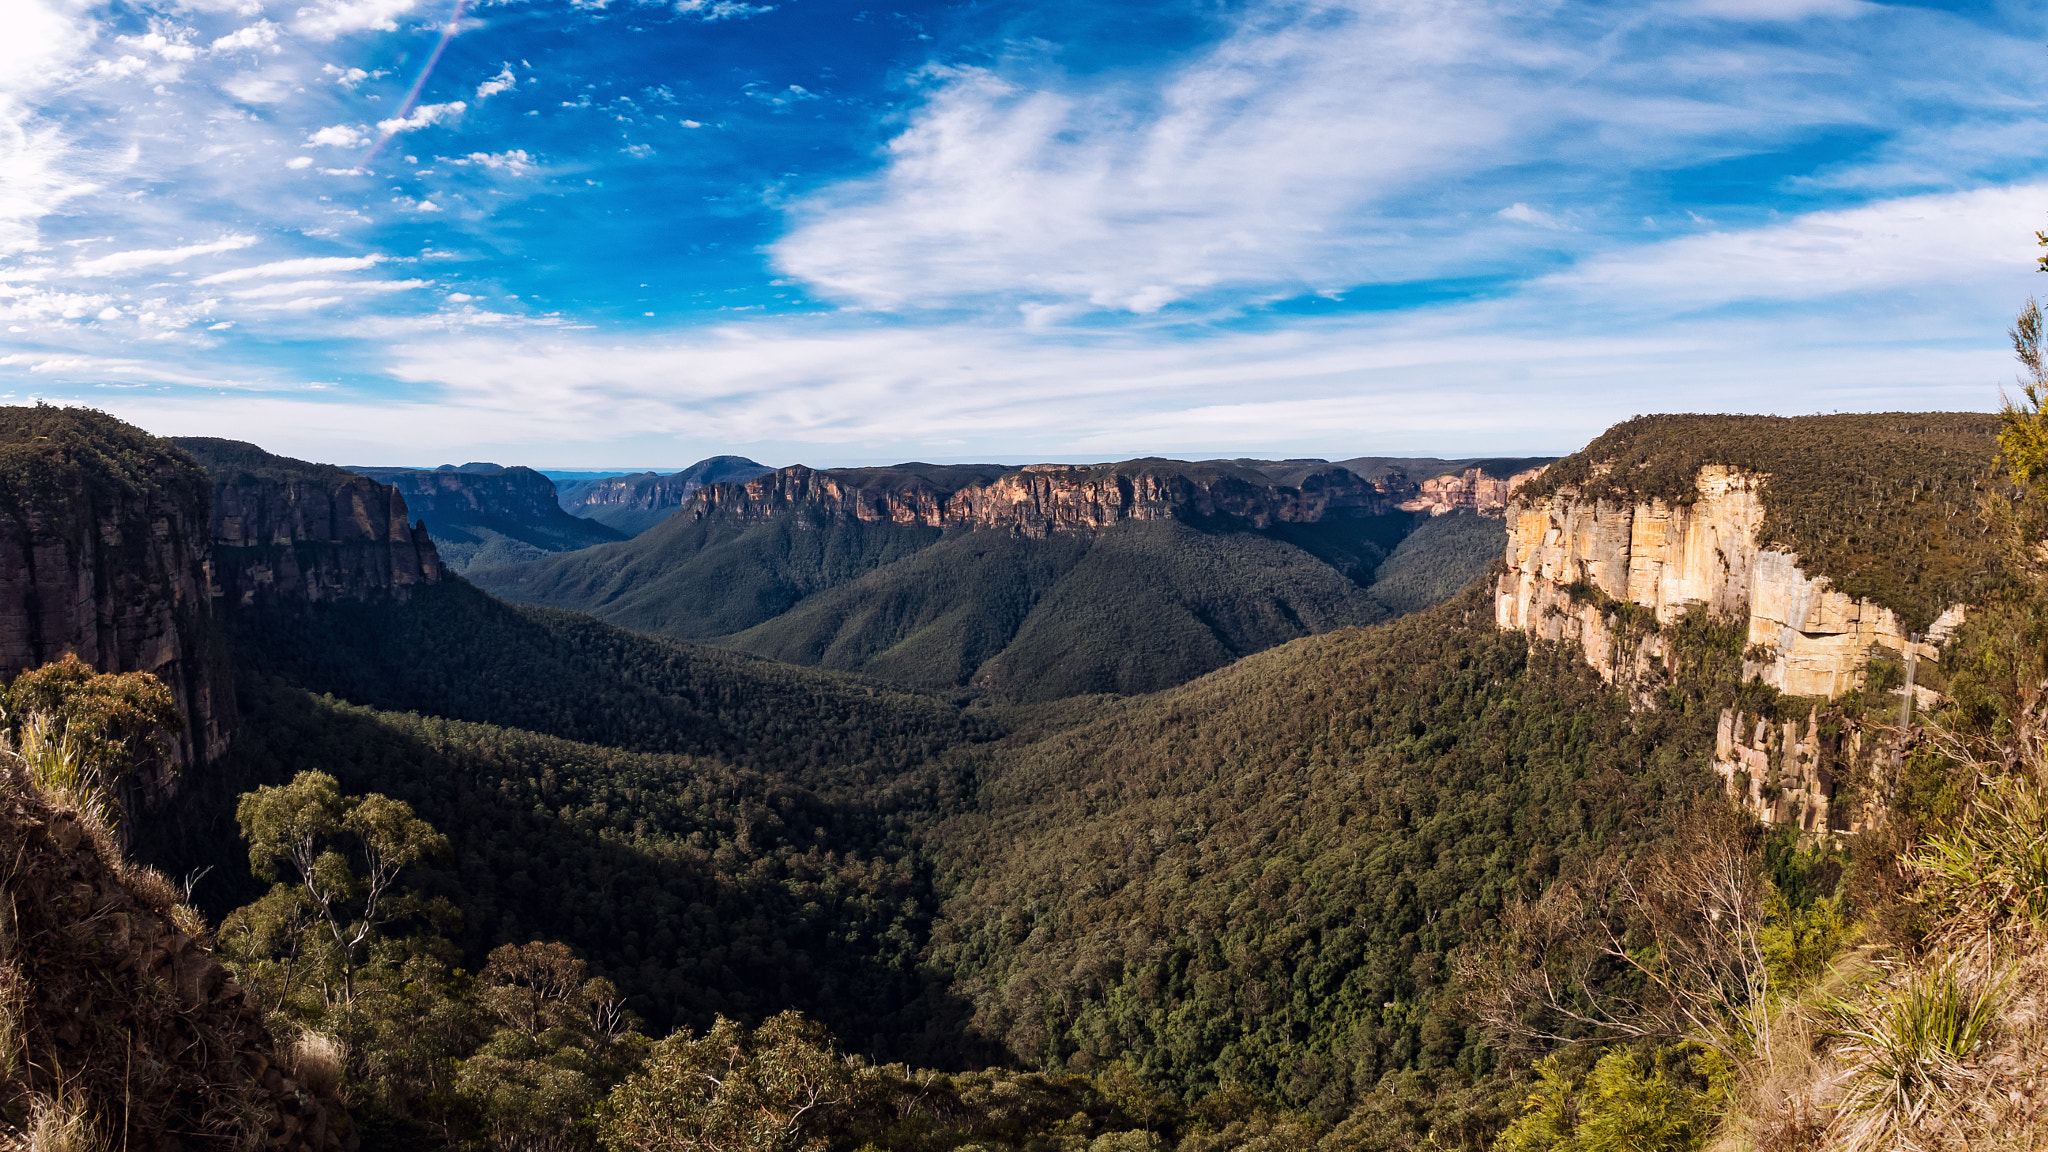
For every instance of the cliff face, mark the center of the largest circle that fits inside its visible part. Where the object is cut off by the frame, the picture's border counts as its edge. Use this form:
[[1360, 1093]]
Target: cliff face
[[633, 504], [1568, 559], [103, 553], [286, 531], [1472, 488], [482, 515], [1041, 499], [1599, 572]]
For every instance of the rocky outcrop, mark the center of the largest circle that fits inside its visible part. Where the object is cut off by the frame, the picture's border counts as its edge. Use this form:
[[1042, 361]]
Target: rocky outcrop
[[1571, 561], [633, 504], [1471, 489], [103, 555], [286, 531], [117, 1004], [481, 515], [1041, 499]]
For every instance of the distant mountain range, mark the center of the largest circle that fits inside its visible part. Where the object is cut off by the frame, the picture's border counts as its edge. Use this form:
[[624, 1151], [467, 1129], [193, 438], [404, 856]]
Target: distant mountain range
[[1042, 581]]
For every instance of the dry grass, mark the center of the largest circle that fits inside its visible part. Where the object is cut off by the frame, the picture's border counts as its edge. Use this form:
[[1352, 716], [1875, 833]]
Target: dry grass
[[316, 1060], [58, 1123]]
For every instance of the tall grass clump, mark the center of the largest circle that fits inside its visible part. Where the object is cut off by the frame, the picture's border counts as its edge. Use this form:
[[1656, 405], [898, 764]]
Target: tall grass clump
[[1909, 1050], [1992, 865], [57, 762]]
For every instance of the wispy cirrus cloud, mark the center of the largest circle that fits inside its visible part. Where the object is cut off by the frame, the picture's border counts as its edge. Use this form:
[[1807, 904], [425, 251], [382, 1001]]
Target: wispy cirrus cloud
[[117, 262]]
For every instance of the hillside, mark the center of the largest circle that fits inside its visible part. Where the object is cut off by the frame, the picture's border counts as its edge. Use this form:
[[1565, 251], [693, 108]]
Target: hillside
[[485, 516], [1030, 584], [633, 504]]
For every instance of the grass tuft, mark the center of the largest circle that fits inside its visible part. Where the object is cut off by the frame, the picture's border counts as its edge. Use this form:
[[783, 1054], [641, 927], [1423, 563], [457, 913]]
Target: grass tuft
[[1910, 1053]]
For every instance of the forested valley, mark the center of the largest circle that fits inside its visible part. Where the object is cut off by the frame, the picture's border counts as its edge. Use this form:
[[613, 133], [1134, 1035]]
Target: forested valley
[[484, 875]]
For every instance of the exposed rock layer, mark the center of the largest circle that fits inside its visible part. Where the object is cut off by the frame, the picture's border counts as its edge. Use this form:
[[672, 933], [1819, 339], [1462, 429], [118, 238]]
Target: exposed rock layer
[[1569, 560], [103, 554], [285, 531], [1041, 499], [633, 504]]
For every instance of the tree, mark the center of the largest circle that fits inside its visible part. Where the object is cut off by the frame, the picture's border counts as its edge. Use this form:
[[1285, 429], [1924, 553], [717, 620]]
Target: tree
[[565, 1039], [1670, 947], [84, 734], [772, 1089], [299, 824]]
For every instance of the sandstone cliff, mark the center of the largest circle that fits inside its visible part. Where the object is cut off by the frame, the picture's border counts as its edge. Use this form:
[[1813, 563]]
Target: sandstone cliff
[[288, 532], [1041, 499], [633, 504], [103, 554], [1570, 559], [483, 515], [1471, 489]]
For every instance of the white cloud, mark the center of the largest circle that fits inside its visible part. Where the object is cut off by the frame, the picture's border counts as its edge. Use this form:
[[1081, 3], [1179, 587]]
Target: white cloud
[[298, 162], [304, 266], [516, 161], [257, 36], [309, 287], [1336, 143], [260, 88], [118, 262], [347, 77], [1929, 241], [421, 117], [337, 136], [1523, 214], [1775, 10], [504, 81], [713, 10], [332, 18]]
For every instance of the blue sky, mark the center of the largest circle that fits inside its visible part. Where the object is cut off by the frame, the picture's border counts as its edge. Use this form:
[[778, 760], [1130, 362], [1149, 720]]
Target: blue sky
[[631, 234]]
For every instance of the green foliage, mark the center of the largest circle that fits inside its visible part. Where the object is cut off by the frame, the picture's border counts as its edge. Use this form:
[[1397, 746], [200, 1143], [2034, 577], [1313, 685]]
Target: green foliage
[[1798, 945], [84, 733], [74, 463], [1884, 505], [452, 651], [2023, 427], [1437, 560], [701, 888], [776, 1088], [1991, 866], [302, 825], [561, 1040], [1260, 876], [1622, 1106]]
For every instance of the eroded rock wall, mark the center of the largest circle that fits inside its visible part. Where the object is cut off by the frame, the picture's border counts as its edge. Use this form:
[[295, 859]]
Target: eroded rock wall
[[1571, 561], [1041, 499], [285, 531], [103, 555]]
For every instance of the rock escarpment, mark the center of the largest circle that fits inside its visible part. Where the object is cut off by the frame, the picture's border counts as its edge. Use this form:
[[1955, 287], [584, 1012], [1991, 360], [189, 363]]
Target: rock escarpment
[[286, 531], [1836, 551], [633, 504], [1570, 560], [118, 1005], [483, 515], [1038, 500], [1471, 489], [103, 554]]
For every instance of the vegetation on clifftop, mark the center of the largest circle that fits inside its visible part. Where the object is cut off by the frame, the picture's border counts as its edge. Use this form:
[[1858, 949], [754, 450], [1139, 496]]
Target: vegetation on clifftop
[[1885, 505]]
